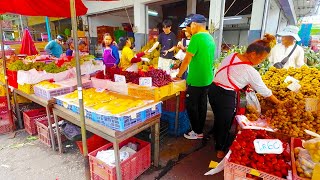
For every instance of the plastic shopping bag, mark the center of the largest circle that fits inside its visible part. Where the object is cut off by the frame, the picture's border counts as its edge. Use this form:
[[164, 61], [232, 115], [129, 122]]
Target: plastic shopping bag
[[180, 55], [253, 101]]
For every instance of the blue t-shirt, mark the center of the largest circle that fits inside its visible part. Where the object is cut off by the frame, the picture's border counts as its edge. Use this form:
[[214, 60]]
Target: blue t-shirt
[[53, 48], [167, 41]]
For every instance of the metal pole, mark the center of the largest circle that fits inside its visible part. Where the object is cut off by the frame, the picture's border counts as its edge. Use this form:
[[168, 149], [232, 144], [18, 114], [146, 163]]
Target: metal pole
[[265, 16], [21, 24], [79, 82], [223, 2], [48, 28], [4, 69]]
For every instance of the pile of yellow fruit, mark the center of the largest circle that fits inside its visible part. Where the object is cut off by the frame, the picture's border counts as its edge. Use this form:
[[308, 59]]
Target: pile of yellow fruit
[[154, 55], [291, 118], [48, 85], [106, 102]]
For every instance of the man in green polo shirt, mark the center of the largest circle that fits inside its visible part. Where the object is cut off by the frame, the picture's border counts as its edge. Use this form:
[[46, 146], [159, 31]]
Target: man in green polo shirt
[[199, 58]]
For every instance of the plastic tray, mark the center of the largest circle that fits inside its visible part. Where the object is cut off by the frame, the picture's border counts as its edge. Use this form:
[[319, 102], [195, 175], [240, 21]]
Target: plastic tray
[[44, 134], [131, 168], [26, 88], [178, 86]]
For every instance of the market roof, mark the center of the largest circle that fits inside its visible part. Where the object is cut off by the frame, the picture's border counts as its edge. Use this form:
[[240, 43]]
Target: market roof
[[306, 7]]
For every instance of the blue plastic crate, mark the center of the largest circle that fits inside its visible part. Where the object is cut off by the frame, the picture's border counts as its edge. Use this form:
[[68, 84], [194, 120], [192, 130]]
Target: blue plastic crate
[[61, 103], [183, 124], [75, 109], [118, 123], [153, 112]]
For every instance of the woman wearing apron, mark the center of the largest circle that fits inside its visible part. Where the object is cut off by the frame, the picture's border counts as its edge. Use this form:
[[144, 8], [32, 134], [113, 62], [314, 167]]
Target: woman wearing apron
[[110, 52], [235, 73]]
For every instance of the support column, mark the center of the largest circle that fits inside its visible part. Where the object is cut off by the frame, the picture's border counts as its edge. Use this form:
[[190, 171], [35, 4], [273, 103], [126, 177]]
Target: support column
[[273, 18], [256, 20], [215, 23], [141, 24], [191, 7]]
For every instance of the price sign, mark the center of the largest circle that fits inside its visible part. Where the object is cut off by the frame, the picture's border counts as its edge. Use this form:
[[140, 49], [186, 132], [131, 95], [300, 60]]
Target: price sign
[[119, 78], [268, 146], [145, 81]]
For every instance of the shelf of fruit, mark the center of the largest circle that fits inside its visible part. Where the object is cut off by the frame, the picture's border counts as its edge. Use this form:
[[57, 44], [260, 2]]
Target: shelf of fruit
[[245, 163], [291, 118], [111, 109]]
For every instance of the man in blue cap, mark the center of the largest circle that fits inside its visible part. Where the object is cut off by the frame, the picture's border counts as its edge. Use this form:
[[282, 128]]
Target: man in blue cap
[[54, 47], [199, 58]]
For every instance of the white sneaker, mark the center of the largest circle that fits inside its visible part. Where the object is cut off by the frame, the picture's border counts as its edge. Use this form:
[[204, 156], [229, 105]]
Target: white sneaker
[[193, 135]]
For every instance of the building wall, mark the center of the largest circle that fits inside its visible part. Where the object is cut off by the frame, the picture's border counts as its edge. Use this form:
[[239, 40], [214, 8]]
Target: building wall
[[235, 37], [273, 18]]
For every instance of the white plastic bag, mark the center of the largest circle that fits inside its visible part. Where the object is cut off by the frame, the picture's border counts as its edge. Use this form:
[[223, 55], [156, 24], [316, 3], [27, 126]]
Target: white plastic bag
[[133, 67], [180, 55], [253, 101]]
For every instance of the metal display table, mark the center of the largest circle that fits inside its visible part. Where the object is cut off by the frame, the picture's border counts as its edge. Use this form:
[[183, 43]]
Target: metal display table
[[111, 135], [43, 102]]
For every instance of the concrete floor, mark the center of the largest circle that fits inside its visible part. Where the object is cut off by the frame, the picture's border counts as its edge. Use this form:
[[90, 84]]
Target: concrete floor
[[23, 159]]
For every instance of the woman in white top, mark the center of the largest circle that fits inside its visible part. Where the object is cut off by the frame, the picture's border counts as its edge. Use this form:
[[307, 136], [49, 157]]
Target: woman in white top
[[289, 36], [235, 73]]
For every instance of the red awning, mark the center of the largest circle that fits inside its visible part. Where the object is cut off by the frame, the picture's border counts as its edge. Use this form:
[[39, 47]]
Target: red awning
[[50, 8]]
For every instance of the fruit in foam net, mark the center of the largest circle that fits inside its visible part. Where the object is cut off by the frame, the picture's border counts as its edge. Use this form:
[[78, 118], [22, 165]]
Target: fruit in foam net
[[291, 118]]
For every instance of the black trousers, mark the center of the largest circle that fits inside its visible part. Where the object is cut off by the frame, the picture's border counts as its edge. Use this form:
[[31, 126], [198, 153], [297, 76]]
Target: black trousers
[[223, 103], [196, 105]]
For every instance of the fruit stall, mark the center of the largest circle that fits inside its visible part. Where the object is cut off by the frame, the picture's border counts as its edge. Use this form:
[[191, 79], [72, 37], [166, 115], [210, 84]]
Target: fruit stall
[[117, 104], [279, 142]]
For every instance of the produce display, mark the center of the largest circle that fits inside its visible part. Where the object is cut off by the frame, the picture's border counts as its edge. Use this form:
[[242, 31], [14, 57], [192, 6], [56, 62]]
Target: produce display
[[159, 77], [292, 118], [153, 56], [313, 147], [105, 102], [243, 153]]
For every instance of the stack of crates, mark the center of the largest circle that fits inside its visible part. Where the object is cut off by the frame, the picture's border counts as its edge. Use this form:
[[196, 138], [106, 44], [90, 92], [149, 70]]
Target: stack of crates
[[6, 124]]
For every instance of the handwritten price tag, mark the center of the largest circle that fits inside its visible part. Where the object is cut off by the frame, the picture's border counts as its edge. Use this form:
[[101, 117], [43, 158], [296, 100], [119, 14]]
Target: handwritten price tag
[[268, 146], [145, 81], [119, 78]]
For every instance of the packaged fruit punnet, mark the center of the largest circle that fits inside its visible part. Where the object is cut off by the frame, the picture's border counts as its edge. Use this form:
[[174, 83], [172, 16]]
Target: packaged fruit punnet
[[313, 147]]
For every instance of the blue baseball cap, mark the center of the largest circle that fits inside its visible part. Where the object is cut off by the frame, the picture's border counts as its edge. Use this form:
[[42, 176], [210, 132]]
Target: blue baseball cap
[[59, 37], [198, 18]]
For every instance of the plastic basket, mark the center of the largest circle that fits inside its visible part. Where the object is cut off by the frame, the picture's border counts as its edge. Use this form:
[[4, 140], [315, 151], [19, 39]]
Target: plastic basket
[[295, 142], [3, 105], [50, 93], [12, 78], [183, 122], [153, 111], [178, 86], [5, 124], [151, 93], [234, 171], [26, 88], [131, 168], [121, 123], [93, 143], [165, 90], [44, 134], [170, 104], [30, 118]]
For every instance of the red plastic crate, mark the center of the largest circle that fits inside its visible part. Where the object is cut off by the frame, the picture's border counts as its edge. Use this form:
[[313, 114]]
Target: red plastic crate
[[170, 104], [3, 105], [295, 142], [44, 134], [30, 118], [5, 124], [131, 168], [12, 78], [234, 171], [93, 143]]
